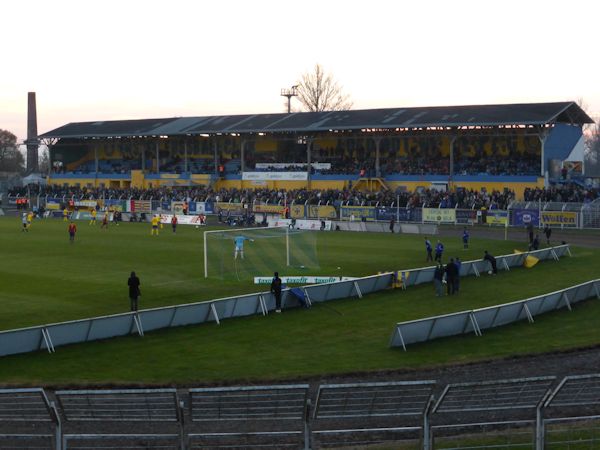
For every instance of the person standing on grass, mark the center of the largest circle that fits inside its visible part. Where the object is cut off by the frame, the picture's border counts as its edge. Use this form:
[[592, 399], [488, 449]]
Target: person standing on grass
[[174, 223], [458, 264], [276, 285], [429, 250], [492, 262], [535, 245], [25, 225], [439, 251], [530, 233], [134, 291], [465, 238], [72, 230], [438, 280], [392, 223], [239, 246], [104, 221], [93, 219], [548, 233], [155, 222], [450, 276]]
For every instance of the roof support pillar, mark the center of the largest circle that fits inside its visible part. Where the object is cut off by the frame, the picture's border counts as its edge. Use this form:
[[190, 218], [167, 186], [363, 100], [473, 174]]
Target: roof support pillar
[[451, 165], [143, 157], [242, 155], [96, 166], [157, 158], [542, 137], [216, 158], [309, 143], [185, 156], [377, 157]]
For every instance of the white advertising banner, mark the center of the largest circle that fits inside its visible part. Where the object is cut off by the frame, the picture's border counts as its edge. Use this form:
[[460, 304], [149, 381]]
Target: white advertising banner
[[309, 279], [301, 224], [275, 176], [283, 166], [181, 220]]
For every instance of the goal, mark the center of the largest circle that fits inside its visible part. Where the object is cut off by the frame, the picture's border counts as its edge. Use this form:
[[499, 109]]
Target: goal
[[265, 250]]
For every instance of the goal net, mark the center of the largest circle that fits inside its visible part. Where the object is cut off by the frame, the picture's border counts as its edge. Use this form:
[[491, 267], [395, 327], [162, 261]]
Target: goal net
[[244, 253]]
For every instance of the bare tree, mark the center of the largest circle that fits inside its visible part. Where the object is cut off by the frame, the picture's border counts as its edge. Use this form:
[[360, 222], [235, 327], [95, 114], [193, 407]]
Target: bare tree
[[592, 150], [318, 91], [11, 159], [44, 160]]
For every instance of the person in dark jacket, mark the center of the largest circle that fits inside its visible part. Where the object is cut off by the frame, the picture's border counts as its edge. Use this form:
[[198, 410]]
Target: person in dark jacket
[[439, 251], [429, 250], [276, 291], [438, 280], [548, 233], [134, 290], [458, 264], [492, 261], [451, 275]]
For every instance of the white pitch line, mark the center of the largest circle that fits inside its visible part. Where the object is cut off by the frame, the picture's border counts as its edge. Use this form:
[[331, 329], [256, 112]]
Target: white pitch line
[[169, 282]]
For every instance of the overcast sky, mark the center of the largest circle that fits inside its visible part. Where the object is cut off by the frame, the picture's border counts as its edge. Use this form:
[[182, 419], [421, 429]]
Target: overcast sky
[[127, 59]]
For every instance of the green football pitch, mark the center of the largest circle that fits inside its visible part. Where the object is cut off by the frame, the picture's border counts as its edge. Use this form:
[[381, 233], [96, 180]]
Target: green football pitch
[[45, 279]]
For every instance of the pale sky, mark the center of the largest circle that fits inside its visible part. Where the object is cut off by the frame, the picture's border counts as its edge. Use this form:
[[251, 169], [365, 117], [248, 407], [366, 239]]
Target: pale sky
[[127, 59]]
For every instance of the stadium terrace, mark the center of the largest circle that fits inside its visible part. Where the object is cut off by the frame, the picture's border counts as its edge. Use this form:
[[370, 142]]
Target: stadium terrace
[[485, 147]]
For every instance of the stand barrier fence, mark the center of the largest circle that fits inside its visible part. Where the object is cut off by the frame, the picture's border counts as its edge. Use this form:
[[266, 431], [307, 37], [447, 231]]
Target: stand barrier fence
[[517, 214], [474, 321], [48, 337], [520, 413]]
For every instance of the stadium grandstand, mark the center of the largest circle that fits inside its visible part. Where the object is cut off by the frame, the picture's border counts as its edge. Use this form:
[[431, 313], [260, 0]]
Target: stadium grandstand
[[493, 148]]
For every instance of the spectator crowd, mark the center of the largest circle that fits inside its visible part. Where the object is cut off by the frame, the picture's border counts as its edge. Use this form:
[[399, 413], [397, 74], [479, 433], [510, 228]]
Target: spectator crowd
[[422, 198]]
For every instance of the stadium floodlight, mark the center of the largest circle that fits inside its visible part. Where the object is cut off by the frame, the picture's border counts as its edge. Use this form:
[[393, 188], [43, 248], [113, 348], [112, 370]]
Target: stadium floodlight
[[243, 253], [289, 93]]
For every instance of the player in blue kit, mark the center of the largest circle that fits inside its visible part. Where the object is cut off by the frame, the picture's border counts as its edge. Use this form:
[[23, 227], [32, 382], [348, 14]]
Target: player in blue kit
[[239, 246]]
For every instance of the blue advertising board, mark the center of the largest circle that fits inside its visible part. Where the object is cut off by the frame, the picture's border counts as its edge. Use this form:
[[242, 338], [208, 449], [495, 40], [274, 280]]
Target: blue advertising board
[[401, 214], [524, 217]]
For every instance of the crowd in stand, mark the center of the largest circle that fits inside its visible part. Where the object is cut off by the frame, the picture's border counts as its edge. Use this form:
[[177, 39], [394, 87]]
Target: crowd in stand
[[422, 198], [562, 193], [424, 159]]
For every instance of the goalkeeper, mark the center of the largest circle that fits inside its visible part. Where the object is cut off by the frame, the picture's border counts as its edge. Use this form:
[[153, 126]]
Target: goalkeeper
[[239, 246]]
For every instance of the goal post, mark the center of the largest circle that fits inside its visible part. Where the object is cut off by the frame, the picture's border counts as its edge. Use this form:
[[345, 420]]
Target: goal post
[[246, 252]]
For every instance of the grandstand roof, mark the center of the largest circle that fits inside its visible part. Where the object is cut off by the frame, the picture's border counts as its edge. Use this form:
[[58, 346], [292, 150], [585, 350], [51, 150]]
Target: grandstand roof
[[307, 122]]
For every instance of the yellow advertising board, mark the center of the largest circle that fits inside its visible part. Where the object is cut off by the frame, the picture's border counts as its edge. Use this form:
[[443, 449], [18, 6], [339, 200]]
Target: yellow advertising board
[[228, 206], [322, 212], [563, 218], [297, 211], [497, 218], [442, 215], [275, 209]]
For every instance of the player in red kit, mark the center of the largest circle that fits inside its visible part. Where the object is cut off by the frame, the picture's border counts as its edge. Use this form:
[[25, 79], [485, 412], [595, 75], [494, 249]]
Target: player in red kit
[[72, 231]]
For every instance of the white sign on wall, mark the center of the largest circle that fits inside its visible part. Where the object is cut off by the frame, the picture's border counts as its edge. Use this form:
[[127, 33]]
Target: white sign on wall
[[275, 176]]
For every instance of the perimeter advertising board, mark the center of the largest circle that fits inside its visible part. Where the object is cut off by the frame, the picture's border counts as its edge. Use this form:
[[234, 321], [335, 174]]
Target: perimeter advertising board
[[357, 213], [524, 217], [401, 214], [439, 215], [496, 217], [275, 176], [559, 218], [322, 212]]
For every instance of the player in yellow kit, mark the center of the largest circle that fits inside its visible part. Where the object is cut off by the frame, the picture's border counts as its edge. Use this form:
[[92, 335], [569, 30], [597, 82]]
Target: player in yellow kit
[[29, 218], [155, 223], [93, 213], [65, 215]]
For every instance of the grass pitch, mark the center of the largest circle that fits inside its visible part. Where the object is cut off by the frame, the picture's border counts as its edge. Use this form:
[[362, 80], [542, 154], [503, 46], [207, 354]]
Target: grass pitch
[[45, 279]]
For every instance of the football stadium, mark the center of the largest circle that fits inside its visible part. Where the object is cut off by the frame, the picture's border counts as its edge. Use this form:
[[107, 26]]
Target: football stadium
[[399, 278]]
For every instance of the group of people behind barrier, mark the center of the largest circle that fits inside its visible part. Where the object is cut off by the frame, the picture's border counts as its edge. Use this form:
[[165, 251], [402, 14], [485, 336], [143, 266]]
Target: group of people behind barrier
[[461, 198], [570, 192]]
